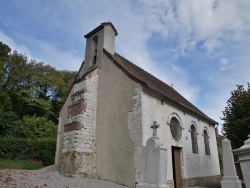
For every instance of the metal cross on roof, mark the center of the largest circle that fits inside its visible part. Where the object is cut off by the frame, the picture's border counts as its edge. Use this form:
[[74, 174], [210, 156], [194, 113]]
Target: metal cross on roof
[[155, 126]]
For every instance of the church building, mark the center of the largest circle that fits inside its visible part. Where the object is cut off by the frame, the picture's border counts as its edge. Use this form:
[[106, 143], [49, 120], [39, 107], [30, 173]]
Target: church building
[[105, 122]]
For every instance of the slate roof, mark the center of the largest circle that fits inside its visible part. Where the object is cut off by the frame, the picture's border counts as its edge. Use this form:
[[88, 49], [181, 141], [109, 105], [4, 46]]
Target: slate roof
[[154, 84]]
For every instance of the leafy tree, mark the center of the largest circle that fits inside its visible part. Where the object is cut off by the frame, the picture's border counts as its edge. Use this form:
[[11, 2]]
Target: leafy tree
[[4, 54], [236, 116], [33, 127], [35, 88], [29, 90], [5, 102], [31, 94], [62, 86], [8, 122]]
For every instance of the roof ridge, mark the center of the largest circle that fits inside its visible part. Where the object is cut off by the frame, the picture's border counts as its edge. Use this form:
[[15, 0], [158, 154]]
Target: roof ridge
[[102, 25]]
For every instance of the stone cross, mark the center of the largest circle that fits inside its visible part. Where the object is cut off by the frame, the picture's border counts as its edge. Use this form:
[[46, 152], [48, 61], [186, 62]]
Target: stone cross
[[155, 126]]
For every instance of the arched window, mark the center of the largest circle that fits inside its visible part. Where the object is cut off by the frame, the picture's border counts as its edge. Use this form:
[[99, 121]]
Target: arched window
[[194, 139], [206, 143], [94, 51], [175, 128]]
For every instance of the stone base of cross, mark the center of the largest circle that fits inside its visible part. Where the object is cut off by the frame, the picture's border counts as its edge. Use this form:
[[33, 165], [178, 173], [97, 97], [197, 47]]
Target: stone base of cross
[[154, 163]]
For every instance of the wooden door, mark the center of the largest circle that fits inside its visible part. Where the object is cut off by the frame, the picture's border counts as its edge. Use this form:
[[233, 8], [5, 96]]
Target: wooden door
[[177, 167]]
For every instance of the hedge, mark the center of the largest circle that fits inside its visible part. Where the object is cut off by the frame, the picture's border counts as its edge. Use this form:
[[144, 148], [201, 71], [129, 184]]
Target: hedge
[[42, 149]]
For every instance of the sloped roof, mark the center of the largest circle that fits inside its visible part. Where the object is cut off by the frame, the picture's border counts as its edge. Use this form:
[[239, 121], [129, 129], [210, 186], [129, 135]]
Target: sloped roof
[[100, 27], [154, 84]]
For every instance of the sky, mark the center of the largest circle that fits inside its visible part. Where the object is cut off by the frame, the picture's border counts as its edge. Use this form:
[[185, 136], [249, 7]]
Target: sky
[[200, 47]]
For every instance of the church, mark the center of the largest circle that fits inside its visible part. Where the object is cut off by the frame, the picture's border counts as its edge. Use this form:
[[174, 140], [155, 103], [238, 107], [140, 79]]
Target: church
[[105, 122]]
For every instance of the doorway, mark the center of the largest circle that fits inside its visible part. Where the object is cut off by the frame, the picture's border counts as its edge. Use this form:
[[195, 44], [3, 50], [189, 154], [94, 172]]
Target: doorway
[[176, 159]]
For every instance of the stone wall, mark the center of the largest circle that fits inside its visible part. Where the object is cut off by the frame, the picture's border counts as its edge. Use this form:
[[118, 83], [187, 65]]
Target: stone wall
[[203, 181], [135, 127], [78, 158]]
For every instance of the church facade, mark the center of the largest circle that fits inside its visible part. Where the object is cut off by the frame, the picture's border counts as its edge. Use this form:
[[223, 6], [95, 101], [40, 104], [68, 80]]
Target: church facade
[[105, 122]]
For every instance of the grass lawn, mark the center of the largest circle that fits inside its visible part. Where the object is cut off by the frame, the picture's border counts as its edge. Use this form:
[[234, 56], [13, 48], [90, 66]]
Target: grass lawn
[[19, 164]]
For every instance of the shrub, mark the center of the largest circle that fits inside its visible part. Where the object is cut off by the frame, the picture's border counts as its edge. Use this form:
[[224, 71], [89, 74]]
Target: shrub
[[42, 149], [33, 127], [8, 122]]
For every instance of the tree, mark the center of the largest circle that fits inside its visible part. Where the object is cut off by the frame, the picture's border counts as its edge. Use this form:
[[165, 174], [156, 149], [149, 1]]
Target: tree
[[30, 91], [34, 88], [8, 123], [33, 127], [236, 116], [31, 94], [5, 102]]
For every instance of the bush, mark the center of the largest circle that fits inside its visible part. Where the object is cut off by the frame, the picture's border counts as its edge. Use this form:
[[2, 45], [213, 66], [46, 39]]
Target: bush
[[46, 150], [33, 127], [8, 122], [42, 149]]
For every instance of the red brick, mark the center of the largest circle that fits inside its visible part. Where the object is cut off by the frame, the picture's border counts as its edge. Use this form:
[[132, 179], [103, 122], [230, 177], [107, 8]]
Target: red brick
[[77, 108], [72, 126]]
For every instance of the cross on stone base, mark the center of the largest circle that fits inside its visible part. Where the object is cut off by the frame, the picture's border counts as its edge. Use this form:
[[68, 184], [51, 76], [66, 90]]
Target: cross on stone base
[[155, 126]]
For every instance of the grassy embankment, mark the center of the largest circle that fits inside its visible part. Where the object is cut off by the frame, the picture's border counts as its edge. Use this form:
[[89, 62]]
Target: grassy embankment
[[19, 164]]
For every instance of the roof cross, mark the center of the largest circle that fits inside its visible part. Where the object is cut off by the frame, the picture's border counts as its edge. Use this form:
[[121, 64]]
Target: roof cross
[[155, 126]]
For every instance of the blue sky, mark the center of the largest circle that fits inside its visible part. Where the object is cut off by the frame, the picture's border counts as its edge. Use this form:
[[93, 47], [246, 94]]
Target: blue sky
[[201, 47]]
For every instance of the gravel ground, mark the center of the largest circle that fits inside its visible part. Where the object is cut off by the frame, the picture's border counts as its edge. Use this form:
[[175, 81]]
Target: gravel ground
[[48, 177]]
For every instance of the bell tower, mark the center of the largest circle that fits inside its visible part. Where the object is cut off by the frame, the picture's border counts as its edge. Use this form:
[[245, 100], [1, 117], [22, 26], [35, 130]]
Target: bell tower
[[102, 37]]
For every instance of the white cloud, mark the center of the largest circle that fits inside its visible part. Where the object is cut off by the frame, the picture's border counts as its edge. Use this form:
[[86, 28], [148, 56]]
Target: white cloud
[[62, 60], [208, 21], [224, 63], [47, 53], [182, 27], [13, 45]]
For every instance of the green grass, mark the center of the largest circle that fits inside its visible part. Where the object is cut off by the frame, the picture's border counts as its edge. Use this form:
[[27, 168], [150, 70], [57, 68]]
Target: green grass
[[19, 164]]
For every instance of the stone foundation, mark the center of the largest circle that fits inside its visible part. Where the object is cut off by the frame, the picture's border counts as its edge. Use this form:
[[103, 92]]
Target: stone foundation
[[202, 181], [78, 164]]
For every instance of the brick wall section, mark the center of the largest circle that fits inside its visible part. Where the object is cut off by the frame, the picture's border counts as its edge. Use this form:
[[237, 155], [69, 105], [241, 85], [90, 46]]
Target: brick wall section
[[72, 126], [78, 108], [79, 149]]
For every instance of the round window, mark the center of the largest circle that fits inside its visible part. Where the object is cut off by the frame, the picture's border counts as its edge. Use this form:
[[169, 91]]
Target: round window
[[175, 128]]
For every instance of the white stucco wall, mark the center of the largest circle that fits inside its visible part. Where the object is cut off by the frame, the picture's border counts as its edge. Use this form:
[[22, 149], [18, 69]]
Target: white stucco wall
[[114, 140], [193, 165]]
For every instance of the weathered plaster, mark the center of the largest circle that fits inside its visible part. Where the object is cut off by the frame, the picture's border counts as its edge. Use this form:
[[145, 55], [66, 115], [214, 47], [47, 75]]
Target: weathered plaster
[[115, 146]]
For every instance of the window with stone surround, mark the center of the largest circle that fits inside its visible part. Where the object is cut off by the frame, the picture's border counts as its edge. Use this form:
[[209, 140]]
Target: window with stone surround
[[175, 128], [206, 142], [194, 139]]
